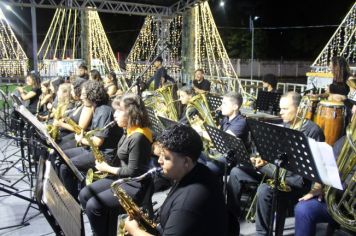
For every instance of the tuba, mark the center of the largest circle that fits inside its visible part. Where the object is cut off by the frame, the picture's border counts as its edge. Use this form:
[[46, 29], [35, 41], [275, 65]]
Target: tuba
[[342, 205], [130, 207], [200, 103], [167, 94]]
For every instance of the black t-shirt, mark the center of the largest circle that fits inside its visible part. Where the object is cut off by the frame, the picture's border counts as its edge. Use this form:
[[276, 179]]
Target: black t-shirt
[[339, 88], [161, 72], [183, 118], [194, 206], [133, 155], [204, 85], [103, 115], [32, 106]]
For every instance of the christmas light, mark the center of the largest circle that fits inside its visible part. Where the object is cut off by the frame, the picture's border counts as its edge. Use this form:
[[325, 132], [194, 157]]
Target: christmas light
[[13, 60]]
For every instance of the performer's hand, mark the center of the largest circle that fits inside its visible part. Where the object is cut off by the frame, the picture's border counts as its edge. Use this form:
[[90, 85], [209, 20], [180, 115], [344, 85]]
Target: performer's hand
[[316, 191], [131, 226], [102, 166], [79, 137], [309, 196], [20, 89], [259, 162]]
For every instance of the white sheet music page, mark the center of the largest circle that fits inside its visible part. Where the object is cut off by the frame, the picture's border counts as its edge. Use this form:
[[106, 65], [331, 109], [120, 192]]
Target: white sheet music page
[[325, 163]]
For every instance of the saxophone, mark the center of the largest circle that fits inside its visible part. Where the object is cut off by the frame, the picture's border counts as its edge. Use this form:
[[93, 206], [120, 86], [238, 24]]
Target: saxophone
[[77, 129], [341, 205], [133, 211], [296, 125], [53, 130], [92, 176]]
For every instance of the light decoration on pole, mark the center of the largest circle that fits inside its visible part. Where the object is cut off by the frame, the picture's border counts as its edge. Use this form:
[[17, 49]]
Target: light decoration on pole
[[63, 48], [13, 60], [210, 53], [154, 34], [341, 43]]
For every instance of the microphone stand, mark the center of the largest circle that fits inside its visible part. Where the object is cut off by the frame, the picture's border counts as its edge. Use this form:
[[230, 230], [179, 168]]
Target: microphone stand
[[139, 78]]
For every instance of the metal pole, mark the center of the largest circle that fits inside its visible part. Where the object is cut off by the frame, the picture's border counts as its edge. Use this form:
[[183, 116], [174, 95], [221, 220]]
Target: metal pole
[[34, 39], [252, 44]]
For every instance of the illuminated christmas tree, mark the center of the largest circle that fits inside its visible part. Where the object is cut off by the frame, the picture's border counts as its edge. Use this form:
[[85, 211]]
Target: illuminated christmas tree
[[73, 37], [13, 60]]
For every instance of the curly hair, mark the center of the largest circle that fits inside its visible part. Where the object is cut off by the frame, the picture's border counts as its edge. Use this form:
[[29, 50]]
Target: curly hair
[[95, 75], [95, 92], [183, 140], [135, 108]]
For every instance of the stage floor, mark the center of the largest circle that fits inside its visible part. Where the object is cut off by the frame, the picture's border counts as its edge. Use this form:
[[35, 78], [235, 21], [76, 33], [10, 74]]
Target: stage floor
[[12, 208]]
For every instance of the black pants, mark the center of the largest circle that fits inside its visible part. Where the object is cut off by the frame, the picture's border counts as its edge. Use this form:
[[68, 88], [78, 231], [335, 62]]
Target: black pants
[[83, 159], [103, 208], [239, 176]]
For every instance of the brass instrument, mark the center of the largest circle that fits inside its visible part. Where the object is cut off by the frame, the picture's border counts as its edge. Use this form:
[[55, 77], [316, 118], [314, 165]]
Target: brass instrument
[[53, 130], [200, 103], [130, 207], [341, 205], [297, 125], [92, 176], [77, 129]]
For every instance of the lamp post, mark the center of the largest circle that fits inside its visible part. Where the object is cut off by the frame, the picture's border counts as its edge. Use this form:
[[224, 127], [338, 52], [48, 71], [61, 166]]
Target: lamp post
[[252, 29]]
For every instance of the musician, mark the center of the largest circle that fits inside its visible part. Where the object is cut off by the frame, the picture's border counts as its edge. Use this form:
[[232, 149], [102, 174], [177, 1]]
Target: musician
[[110, 84], [83, 71], [94, 94], [200, 84], [81, 115], [160, 77], [34, 82], [45, 98], [311, 208], [233, 123], [243, 174], [95, 75], [195, 204], [269, 82], [186, 93], [132, 159]]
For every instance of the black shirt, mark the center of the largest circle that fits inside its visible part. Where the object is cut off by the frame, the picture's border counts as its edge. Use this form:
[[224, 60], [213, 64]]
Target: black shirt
[[339, 88], [183, 118], [32, 106], [161, 72], [194, 206], [203, 85], [133, 155], [103, 115]]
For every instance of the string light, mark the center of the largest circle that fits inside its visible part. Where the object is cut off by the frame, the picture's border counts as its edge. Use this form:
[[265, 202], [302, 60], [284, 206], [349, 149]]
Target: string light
[[63, 41], [342, 43], [13, 60]]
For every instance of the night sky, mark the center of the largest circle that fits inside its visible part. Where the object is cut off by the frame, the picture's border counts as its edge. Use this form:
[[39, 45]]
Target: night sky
[[271, 41]]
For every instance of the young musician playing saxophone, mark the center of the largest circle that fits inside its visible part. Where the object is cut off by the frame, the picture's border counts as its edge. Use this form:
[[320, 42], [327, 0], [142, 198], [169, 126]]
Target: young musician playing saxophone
[[132, 159], [33, 81], [93, 93], [195, 205], [240, 175]]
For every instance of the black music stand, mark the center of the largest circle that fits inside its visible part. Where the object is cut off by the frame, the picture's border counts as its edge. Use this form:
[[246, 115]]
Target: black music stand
[[230, 146], [285, 148], [214, 102], [167, 123], [156, 125], [268, 101]]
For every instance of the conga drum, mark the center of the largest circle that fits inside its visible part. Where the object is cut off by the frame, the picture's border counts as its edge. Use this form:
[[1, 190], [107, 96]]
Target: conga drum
[[312, 106], [330, 117]]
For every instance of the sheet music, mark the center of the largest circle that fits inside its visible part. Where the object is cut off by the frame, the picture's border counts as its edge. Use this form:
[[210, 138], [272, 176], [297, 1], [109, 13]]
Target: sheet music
[[325, 162]]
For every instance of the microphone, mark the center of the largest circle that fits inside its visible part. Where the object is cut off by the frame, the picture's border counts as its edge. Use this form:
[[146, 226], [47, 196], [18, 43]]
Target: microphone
[[149, 173]]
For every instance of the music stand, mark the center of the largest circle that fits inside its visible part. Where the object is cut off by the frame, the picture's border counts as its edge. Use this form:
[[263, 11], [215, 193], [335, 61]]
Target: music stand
[[230, 146], [214, 102], [285, 148], [167, 123], [156, 125], [268, 101]]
